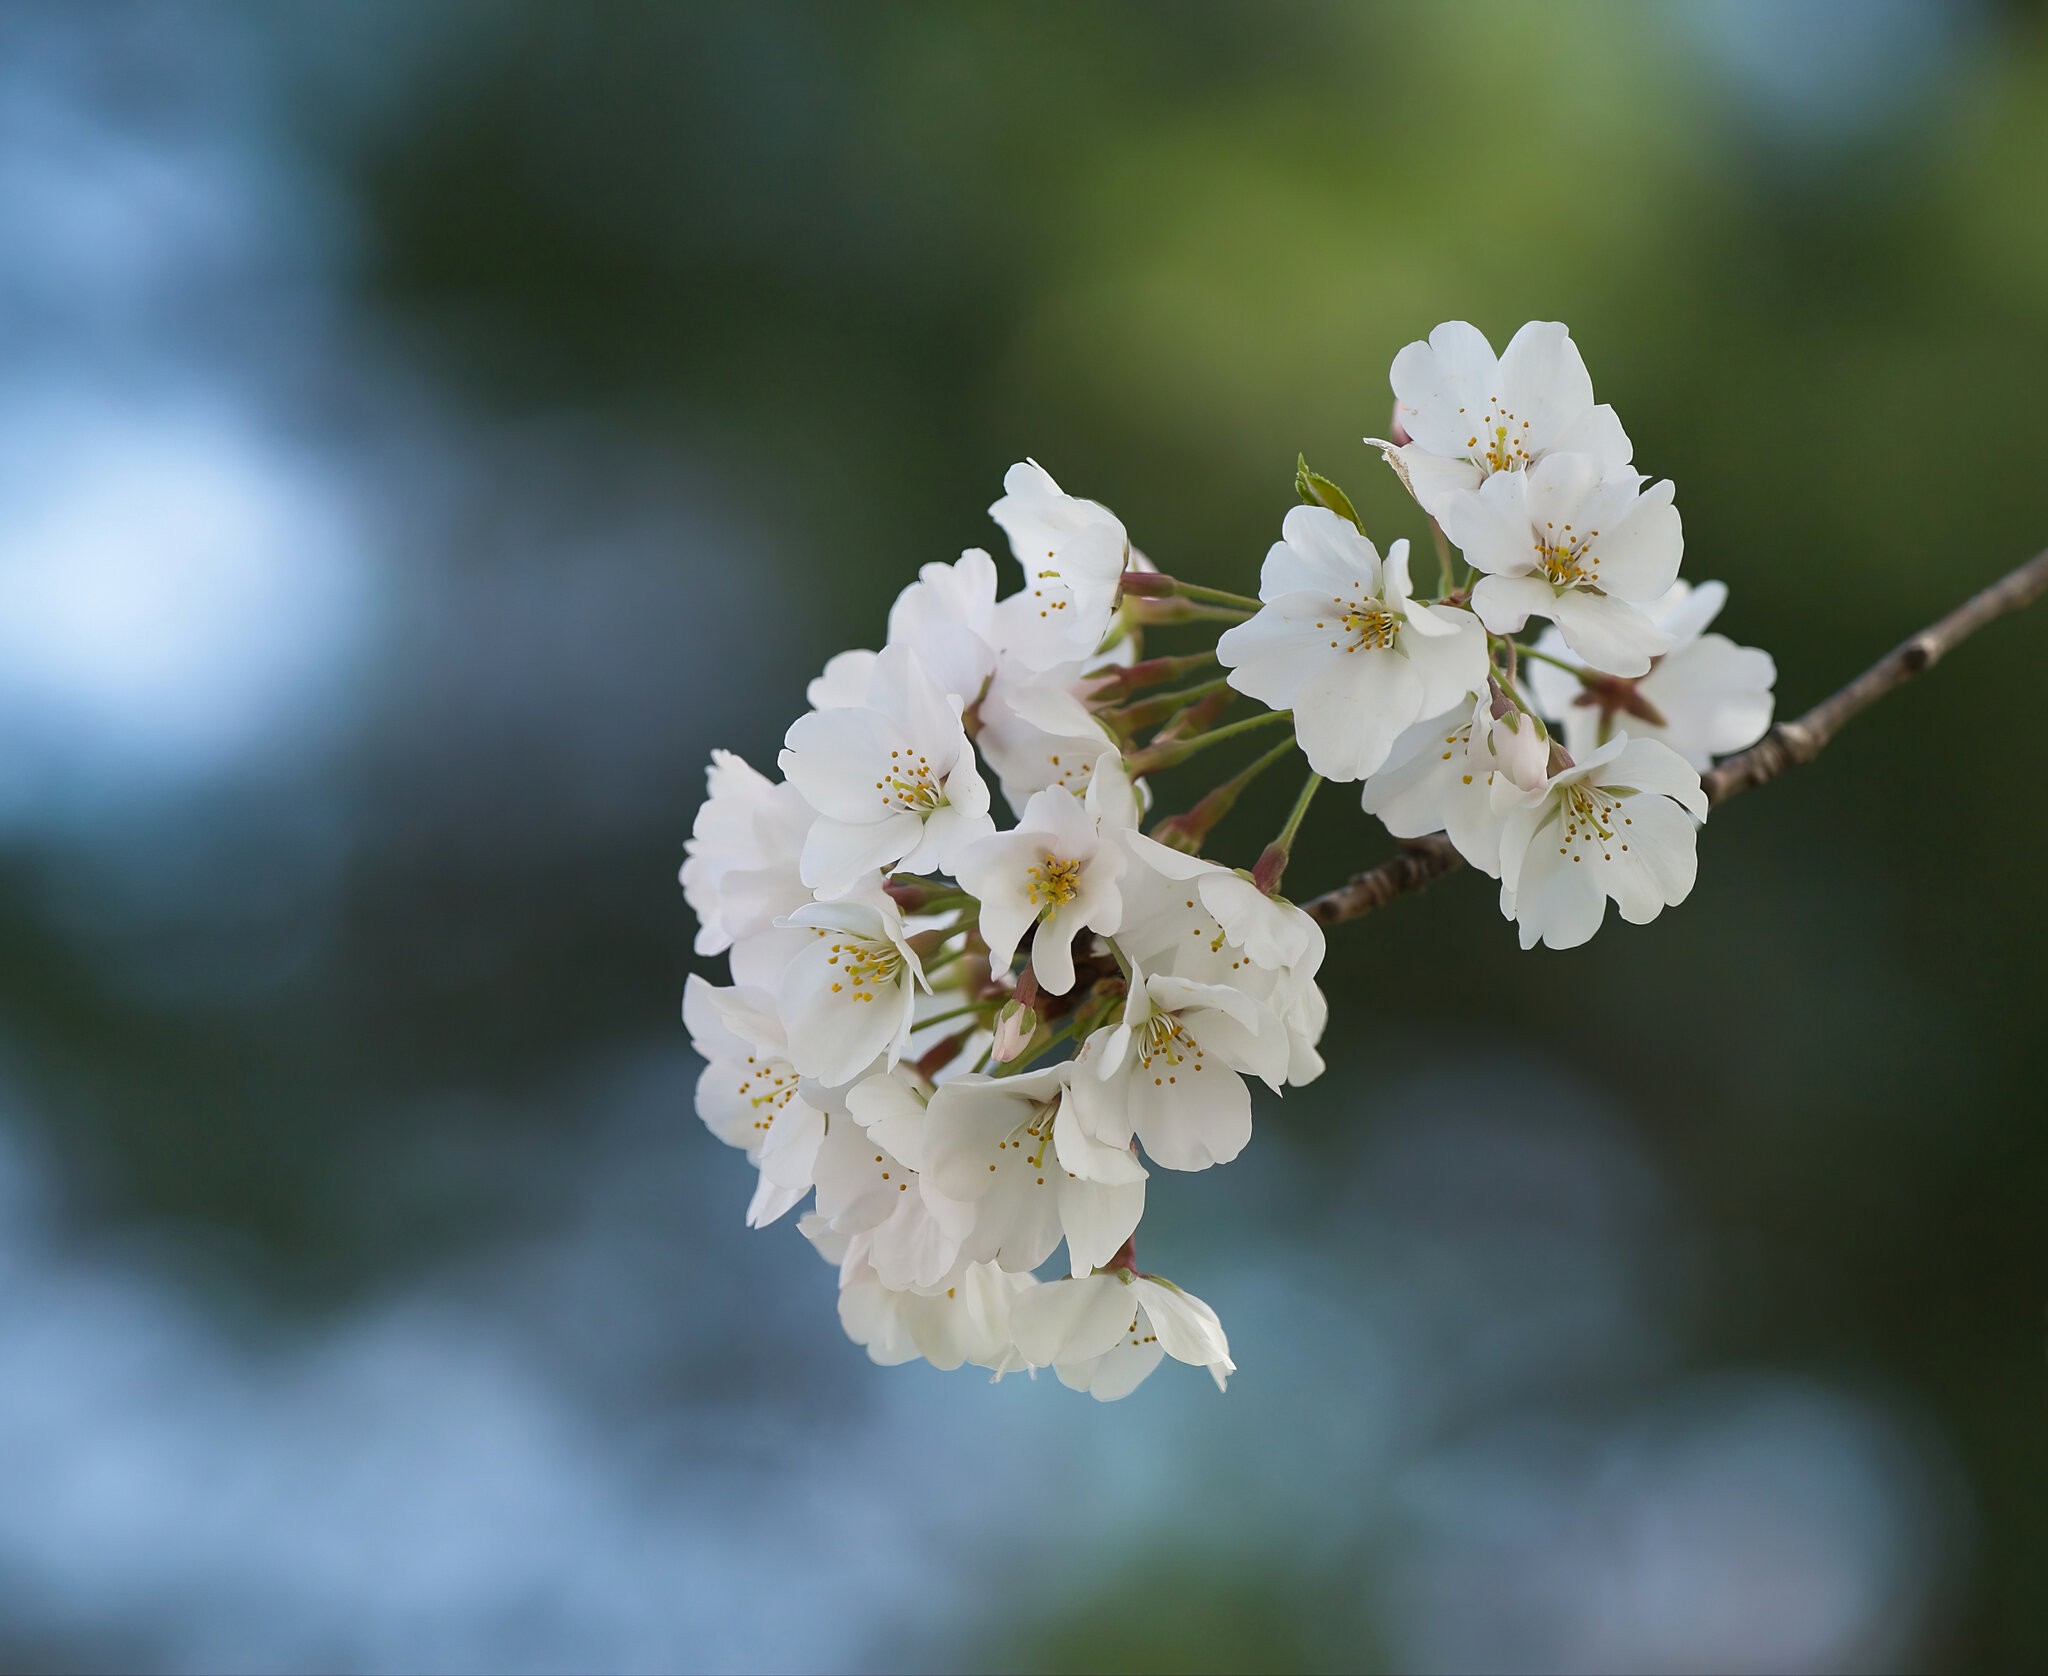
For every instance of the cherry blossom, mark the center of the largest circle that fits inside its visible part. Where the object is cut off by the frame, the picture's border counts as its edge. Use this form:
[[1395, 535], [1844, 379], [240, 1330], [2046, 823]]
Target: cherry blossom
[[1618, 824], [849, 996], [1073, 553], [1054, 875], [741, 873], [1586, 551], [1472, 416], [893, 779], [1340, 641], [749, 1094], [1010, 1147]]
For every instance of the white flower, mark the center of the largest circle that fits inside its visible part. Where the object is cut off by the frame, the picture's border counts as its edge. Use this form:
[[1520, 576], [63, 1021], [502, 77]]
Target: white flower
[[749, 1094], [1073, 554], [1191, 918], [1103, 1333], [967, 1320], [1055, 871], [1472, 416], [1560, 541], [1707, 697], [1619, 824], [893, 779], [947, 619], [1340, 642], [741, 872], [1454, 774], [849, 996], [1012, 1147], [869, 1183], [1170, 1071]]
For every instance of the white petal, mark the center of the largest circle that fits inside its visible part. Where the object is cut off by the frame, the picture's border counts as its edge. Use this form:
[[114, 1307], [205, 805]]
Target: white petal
[[1557, 901], [1438, 385], [838, 852], [1433, 479], [834, 757], [1639, 557], [1653, 767], [1452, 663], [1097, 1217], [1349, 712], [1071, 1320], [1491, 528], [1506, 603], [1598, 434], [1544, 383], [1188, 1119], [1610, 634], [1187, 1328]]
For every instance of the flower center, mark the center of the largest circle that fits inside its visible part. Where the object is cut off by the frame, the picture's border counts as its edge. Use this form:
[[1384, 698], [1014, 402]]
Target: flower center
[[1566, 558], [1497, 442], [1054, 883], [910, 786], [1592, 821], [768, 1086], [865, 966], [1165, 1041], [1032, 1138], [1372, 627]]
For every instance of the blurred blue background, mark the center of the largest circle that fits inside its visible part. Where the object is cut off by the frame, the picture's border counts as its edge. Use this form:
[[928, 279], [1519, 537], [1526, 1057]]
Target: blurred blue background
[[426, 430]]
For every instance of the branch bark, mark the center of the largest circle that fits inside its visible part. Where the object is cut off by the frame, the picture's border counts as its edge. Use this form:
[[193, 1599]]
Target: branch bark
[[1422, 861]]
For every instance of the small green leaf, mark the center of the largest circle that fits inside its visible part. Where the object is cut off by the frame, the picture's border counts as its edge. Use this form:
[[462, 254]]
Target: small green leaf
[[1317, 490]]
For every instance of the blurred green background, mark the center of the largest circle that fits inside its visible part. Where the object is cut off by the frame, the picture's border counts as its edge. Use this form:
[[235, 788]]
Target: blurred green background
[[428, 429]]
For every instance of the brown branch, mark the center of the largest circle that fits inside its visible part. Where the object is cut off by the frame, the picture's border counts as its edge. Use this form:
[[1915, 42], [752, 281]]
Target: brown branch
[[1422, 861]]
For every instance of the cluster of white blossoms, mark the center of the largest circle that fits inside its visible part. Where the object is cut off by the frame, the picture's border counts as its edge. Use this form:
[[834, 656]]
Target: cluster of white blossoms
[[970, 1043]]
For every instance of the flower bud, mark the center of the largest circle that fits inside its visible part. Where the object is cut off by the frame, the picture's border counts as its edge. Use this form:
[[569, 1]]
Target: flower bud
[[1519, 749], [1016, 1024]]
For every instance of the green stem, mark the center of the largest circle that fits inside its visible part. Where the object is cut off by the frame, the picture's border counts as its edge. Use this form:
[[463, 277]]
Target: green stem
[[1188, 829], [1557, 663], [1301, 803], [1443, 556], [1215, 596], [1150, 712], [1178, 751]]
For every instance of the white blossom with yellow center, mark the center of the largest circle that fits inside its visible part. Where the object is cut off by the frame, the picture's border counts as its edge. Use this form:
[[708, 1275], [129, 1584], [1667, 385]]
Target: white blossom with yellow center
[[848, 996], [1187, 917], [1171, 1072], [1012, 1147], [893, 779], [749, 1094], [1073, 554], [1471, 416], [1055, 874], [1585, 550], [1339, 641], [1619, 824]]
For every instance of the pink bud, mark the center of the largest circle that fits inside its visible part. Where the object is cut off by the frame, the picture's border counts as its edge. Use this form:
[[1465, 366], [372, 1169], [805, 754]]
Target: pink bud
[[1015, 1026], [1519, 750]]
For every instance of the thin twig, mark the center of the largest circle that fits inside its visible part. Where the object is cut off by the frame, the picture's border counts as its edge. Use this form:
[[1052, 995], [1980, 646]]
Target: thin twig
[[1422, 861]]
